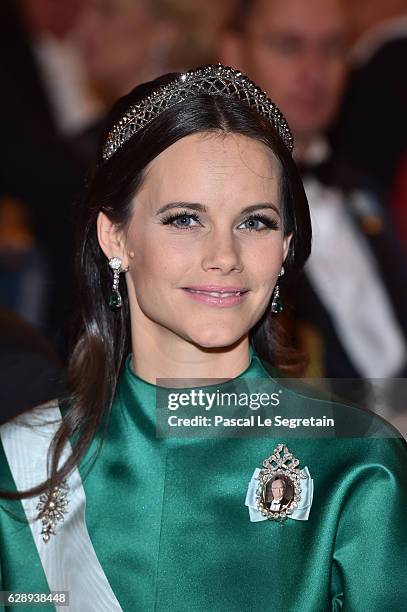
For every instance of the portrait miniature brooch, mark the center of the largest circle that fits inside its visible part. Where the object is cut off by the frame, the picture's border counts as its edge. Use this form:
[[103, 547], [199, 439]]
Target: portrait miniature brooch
[[280, 489]]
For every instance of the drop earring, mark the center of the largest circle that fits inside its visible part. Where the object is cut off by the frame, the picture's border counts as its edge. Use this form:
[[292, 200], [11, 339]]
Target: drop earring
[[277, 305], [115, 300]]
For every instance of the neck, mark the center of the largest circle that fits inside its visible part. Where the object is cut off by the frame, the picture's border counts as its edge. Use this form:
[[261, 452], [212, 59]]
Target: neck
[[315, 152], [301, 147], [155, 358]]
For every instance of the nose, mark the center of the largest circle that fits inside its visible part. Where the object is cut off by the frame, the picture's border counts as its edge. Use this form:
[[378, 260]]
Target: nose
[[314, 66], [222, 252]]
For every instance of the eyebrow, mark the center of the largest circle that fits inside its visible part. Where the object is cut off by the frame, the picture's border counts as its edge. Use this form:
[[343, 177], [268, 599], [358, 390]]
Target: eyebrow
[[204, 209]]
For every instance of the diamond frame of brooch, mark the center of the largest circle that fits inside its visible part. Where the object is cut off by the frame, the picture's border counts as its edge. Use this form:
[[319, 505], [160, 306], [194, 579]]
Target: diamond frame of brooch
[[213, 80], [273, 466]]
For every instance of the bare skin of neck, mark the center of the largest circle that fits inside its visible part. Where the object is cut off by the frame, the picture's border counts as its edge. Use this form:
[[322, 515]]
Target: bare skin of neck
[[179, 360]]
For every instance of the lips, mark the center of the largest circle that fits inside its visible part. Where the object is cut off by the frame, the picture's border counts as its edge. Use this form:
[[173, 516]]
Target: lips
[[216, 290], [218, 296]]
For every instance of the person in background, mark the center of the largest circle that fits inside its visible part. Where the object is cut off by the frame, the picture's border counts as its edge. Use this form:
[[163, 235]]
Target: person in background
[[123, 42], [31, 372], [23, 265], [40, 171], [398, 201], [351, 313], [377, 91], [50, 27]]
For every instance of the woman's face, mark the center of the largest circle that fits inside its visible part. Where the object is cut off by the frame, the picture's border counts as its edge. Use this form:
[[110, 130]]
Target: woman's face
[[205, 238]]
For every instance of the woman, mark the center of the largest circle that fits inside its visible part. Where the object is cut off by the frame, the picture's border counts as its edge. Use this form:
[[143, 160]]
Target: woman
[[197, 208]]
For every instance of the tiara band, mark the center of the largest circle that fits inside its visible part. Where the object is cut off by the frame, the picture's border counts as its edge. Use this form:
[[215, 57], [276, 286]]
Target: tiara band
[[214, 80]]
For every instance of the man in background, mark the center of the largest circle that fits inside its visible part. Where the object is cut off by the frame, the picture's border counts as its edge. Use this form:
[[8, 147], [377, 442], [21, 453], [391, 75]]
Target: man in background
[[351, 313], [372, 127], [39, 168], [30, 371]]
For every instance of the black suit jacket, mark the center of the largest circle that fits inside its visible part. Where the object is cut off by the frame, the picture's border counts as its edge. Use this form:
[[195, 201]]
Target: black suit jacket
[[305, 305], [37, 166], [371, 131], [30, 372], [283, 502]]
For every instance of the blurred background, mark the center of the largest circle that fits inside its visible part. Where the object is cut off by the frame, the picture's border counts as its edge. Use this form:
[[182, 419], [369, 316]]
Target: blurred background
[[335, 68]]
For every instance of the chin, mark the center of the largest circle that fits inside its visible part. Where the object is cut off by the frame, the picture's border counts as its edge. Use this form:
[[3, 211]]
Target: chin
[[215, 338]]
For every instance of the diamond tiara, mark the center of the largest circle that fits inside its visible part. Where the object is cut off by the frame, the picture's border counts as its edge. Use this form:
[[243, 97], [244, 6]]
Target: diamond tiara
[[214, 80]]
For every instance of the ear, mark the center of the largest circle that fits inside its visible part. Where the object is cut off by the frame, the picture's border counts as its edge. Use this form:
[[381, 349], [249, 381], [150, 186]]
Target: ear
[[230, 50], [286, 245], [111, 239]]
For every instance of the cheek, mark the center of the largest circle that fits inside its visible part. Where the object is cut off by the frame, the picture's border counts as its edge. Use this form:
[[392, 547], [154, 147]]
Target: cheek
[[153, 263], [337, 79], [266, 260]]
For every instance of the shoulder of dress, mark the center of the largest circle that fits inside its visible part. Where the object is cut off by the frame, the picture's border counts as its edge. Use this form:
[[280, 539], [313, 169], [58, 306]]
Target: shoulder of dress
[[25, 441], [30, 430], [390, 451], [306, 397], [42, 414]]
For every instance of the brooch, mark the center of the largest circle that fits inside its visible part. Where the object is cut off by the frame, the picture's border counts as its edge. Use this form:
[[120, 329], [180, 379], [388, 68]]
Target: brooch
[[52, 507], [280, 489]]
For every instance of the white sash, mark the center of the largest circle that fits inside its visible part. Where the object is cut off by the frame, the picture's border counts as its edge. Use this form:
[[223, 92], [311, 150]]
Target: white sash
[[68, 558]]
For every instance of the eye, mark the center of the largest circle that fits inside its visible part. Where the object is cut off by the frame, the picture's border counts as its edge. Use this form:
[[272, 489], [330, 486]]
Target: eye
[[285, 45], [253, 221], [184, 217], [182, 220]]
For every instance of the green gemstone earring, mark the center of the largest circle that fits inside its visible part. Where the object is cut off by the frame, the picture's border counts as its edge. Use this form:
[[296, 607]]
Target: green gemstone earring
[[115, 300], [277, 305]]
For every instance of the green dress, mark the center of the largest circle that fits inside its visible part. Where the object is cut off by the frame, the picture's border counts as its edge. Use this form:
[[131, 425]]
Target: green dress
[[161, 523]]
